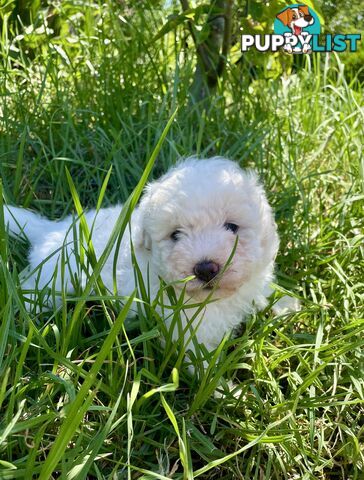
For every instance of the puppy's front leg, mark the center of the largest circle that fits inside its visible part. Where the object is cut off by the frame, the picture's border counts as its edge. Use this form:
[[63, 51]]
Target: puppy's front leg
[[285, 304]]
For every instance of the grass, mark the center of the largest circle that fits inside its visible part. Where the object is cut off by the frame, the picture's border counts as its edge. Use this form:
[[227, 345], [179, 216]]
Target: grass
[[86, 394]]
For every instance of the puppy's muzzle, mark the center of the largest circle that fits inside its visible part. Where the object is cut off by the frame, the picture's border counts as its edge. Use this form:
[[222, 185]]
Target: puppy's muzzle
[[206, 270]]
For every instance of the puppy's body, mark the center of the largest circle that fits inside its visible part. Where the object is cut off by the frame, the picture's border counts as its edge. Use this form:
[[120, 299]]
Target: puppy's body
[[189, 222]]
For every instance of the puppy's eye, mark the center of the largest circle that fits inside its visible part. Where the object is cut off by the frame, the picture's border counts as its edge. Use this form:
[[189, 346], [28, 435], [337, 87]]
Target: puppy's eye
[[175, 235], [232, 227]]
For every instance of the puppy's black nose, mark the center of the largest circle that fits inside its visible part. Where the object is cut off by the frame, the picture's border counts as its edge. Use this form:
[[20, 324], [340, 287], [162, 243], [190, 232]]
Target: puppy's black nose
[[206, 270], [308, 18]]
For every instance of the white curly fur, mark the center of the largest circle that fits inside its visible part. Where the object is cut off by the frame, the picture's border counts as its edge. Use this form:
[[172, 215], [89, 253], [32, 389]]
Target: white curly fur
[[197, 198]]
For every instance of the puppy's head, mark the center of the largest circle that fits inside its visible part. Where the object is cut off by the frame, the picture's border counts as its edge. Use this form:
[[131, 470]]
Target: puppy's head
[[194, 217]]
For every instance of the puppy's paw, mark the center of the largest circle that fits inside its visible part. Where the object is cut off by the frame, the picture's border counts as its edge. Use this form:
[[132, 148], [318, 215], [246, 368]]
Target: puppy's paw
[[229, 390], [286, 304]]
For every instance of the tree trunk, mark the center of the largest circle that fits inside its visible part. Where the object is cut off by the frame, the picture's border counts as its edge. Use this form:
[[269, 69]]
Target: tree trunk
[[212, 52]]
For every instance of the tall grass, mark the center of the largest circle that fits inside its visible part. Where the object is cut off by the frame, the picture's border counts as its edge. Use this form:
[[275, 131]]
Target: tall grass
[[85, 393]]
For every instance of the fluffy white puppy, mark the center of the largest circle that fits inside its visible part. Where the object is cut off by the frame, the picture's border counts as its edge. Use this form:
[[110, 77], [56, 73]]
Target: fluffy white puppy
[[190, 222]]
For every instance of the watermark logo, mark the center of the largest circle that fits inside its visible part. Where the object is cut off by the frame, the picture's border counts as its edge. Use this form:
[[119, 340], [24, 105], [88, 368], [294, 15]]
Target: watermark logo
[[297, 29], [297, 24]]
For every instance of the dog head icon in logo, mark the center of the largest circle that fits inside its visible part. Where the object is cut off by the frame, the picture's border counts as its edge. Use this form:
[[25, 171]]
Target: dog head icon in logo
[[297, 23]]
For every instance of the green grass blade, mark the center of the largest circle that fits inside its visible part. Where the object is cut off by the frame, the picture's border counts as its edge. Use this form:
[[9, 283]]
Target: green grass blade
[[79, 406]]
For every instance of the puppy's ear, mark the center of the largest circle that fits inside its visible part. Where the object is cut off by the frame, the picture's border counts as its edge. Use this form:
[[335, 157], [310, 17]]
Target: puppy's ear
[[304, 9], [146, 241], [141, 237], [285, 17], [269, 234], [270, 239]]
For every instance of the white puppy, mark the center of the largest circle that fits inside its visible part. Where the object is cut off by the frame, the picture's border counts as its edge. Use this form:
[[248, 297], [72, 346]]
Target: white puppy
[[190, 222]]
